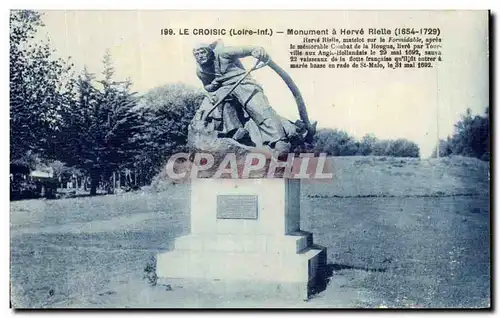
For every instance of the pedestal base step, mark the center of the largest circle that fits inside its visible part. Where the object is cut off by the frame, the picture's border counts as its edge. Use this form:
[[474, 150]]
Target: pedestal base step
[[299, 270], [243, 289], [245, 243]]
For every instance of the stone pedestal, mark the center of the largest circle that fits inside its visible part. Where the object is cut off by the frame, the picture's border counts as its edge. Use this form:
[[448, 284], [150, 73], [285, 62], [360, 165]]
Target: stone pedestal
[[245, 233]]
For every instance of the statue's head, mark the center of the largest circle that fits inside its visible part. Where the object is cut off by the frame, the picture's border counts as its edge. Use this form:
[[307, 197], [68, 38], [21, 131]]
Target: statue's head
[[203, 53]]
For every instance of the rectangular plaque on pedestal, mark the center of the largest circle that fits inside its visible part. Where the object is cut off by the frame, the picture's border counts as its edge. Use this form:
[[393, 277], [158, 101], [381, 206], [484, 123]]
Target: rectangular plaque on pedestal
[[237, 206]]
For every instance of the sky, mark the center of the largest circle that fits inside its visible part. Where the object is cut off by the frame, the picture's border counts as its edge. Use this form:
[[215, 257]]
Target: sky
[[403, 103]]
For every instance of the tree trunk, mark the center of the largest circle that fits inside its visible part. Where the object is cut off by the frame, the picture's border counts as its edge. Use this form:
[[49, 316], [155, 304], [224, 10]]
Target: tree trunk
[[93, 186], [95, 175]]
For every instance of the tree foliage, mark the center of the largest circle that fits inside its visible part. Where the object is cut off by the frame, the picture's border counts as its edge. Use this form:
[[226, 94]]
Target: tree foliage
[[471, 137], [336, 142], [38, 87], [166, 112], [100, 127]]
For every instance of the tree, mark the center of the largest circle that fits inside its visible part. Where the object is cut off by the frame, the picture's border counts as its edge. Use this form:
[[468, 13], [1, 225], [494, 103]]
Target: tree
[[166, 112], [444, 148], [396, 148], [62, 172], [471, 137], [403, 148], [38, 87], [366, 145], [335, 143], [100, 126], [381, 148]]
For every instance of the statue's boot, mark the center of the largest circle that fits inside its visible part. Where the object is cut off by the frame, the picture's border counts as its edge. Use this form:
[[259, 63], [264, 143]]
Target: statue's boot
[[240, 134], [282, 147]]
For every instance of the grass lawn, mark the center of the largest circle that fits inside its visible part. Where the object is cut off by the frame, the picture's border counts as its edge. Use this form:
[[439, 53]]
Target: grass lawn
[[411, 246]]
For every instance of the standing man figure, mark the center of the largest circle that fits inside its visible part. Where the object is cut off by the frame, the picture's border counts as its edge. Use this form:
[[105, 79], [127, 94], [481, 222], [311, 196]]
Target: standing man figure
[[219, 69]]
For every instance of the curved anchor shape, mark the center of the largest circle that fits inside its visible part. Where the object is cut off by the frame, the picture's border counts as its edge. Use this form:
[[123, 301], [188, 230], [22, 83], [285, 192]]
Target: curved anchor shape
[[301, 106]]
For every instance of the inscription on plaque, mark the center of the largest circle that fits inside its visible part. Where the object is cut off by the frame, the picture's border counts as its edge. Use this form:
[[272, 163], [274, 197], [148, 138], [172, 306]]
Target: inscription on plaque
[[237, 206]]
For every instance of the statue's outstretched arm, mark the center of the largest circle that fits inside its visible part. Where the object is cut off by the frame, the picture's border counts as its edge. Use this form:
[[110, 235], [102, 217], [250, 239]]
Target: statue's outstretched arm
[[243, 51]]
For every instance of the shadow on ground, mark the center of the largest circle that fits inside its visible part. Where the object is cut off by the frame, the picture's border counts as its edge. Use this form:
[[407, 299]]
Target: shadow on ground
[[326, 273]]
